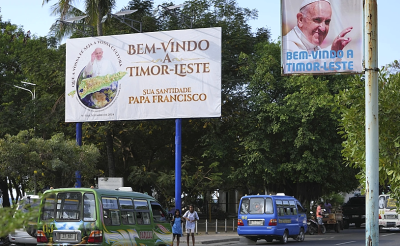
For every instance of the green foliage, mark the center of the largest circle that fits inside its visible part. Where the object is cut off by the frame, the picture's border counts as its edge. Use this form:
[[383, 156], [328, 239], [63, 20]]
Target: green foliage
[[17, 219], [52, 161], [351, 103]]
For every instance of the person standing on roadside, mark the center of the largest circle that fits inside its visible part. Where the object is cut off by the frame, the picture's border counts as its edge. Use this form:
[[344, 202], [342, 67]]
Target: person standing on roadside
[[319, 216], [191, 217], [176, 226]]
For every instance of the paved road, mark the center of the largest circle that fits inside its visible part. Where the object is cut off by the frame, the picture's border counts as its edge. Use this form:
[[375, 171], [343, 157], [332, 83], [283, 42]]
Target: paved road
[[348, 237]]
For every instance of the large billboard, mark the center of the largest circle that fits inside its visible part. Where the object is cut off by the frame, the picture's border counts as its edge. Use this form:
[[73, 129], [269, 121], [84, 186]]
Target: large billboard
[[171, 74], [322, 36]]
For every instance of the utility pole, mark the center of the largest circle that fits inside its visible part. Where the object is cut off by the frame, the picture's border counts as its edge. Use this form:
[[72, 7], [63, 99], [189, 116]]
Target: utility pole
[[371, 123]]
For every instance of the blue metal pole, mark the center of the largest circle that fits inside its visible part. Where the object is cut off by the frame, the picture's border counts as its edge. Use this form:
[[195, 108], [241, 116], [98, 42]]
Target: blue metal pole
[[78, 183], [178, 157], [371, 124]]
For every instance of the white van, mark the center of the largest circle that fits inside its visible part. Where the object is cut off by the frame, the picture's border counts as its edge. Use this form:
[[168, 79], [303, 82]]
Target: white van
[[388, 216], [21, 236]]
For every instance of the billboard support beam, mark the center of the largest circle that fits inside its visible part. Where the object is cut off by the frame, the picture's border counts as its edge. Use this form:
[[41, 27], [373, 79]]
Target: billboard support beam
[[178, 166], [371, 124]]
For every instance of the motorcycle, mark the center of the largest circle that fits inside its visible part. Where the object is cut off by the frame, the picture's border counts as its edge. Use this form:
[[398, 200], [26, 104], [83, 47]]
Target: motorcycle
[[312, 226]]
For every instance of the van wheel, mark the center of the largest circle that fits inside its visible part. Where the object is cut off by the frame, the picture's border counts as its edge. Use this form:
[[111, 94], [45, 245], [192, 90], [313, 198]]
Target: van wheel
[[269, 240], [358, 225], [284, 237], [346, 224], [301, 236], [380, 228]]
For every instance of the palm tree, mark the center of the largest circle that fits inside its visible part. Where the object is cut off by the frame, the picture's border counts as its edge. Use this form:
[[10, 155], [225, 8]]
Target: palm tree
[[94, 9]]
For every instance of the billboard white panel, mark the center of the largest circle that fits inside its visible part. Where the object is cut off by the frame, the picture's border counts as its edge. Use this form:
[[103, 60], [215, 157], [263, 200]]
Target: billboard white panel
[[322, 36], [171, 74]]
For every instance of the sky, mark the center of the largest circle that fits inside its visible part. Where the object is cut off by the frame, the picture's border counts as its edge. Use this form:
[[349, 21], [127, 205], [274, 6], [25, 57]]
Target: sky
[[31, 15]]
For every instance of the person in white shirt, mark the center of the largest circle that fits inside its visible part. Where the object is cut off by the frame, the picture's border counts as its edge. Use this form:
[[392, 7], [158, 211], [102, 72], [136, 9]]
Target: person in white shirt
[[191, 217], [98, 66], [313, 22]]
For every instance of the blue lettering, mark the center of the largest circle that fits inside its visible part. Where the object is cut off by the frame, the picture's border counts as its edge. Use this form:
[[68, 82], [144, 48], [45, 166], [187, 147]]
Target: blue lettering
[[303, 55], [333, 54], [340, 54], [309, 66], [332, 66], [344, 65], [314, 54], [289, 55], [338, 67], [350, 54], [351, 65], [288, 66], [316, 66], [300, 67], [325, 68], [325, 54], [296, 55]]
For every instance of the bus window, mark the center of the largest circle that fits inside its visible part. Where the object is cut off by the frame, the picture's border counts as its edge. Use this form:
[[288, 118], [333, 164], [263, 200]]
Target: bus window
[[244, 209], [293, 208], [279, 206], [89, 207], [142, 217], [269, 208], [158, 213], [48, 208], [110, 211], [68, 206], [127, 214], [256, 205]]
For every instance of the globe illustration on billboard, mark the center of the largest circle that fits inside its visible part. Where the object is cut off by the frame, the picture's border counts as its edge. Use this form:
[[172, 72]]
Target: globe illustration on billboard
[[98, 92]]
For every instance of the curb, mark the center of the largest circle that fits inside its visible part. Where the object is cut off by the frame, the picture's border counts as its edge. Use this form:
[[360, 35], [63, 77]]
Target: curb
[[220, 241]]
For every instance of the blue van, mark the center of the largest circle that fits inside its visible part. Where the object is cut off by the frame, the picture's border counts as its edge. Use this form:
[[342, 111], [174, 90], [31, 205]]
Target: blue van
[[271, 217]]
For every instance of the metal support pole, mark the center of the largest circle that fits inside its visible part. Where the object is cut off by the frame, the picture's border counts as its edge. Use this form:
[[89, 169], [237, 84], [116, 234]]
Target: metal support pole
[[233, 225], [196, 228], [371, 124], [206, 227], [216, 226], [225, 227], [78, 183], [178, 157]]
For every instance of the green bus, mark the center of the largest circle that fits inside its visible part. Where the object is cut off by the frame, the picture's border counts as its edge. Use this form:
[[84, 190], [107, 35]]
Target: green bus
[[84, 216]]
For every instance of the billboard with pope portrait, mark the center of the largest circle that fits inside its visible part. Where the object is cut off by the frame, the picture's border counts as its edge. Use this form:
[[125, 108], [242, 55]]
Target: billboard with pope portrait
[[322, 36], [160, 75]]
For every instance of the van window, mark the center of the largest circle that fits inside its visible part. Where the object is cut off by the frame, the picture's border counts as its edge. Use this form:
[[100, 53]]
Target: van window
[[89, 207], [127, 214], [269, 207], [244, 209], [141, 204], [279, 206], [293, 208], [158, 213], [256, 205], [68, 206], [300, 208], [391, 203], [110, 211], [48, 207], [142, 212]]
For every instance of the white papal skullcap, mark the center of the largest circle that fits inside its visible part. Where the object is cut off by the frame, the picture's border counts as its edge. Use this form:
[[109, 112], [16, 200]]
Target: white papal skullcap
[[307, 2]]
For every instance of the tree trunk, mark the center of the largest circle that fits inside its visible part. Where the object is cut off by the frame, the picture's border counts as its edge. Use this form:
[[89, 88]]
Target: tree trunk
[[10, 190], [110, 151], [99, 24], [4, 189]]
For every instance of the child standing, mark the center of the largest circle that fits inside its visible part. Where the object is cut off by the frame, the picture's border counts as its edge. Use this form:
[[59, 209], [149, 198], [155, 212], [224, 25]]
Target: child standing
[[176, 227]]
